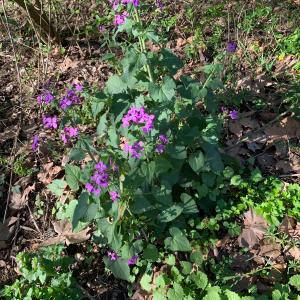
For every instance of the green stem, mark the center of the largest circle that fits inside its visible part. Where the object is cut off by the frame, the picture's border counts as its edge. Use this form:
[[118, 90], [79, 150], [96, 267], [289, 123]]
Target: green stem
[[143, 46]]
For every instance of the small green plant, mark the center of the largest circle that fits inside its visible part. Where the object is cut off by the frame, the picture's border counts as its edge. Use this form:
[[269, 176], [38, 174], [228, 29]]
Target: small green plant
[[20, 166], [44, 275]]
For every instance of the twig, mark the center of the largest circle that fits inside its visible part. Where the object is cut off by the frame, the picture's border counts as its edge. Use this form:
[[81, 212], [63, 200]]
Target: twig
[[289, 175], [34, 222]]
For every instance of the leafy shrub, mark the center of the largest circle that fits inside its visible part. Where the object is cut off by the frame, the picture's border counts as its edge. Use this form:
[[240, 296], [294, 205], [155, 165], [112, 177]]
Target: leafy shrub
[[44, 275]]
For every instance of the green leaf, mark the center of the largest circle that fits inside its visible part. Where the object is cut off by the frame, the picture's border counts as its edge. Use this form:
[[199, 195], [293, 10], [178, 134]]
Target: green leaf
[[200, 279], [177, 241], [189, 204], [213, 293], [97, 107], [57, 187], [102, 125], [231, 295], [186, 267], [148, 170], [176, 292], [178, 152], [197, 258], [76, 154], [163, 93], [141, 205], [196, 161], [171, 61], [170, 213], [295, 282], [115, 85], [113, 137], [213, 157], [146, 282], [256, 176], [236, 180], [151, 253], [80, 209], [118, 267], [73, 176]]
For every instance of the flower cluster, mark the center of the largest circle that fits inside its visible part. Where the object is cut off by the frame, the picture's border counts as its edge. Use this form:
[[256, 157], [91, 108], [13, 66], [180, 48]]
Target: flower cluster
[[233, 114], [135, 149], [50, 122], [99, 180], [120, 18], [137, 115], [68, 134], [112, 255], [114, 195], [162, 142], [71, 97], [35, 143], [45, 97], [231, 47]]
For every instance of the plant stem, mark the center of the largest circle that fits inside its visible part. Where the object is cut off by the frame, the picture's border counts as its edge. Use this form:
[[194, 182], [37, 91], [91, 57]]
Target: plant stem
[[143, 46]]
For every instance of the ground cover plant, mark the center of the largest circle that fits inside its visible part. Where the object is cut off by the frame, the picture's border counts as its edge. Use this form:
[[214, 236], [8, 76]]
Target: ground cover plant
[[164, 181]]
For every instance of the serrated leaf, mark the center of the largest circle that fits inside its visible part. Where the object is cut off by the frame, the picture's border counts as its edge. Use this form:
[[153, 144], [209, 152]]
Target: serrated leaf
[[295, 282], [231, 295], [200, 279], [118, 267], [197, 258], [186, 267], [196, 161], [146, 282], [57, 187], [102, 125], [73, 176], [151, 253], [115, 85]]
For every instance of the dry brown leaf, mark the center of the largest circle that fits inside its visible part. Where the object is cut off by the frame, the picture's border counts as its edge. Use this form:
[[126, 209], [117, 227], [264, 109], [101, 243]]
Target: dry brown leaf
[[236, 128], [270, 249], [7, 228], [286, 129], [19, 201], [48, 174], [287, 226], [288, 166], [68, 63], [254, 231], [293, 252], [64, 230]]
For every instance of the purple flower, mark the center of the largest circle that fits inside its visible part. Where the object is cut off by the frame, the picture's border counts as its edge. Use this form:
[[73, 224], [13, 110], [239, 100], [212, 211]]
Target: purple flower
[[231, 47], [138, 116], [46, 97], [159, 4], [120, 19], [68, 133], [101, 28], [35, 143], [134, 2], [134, 150], [99, 180], [163, 139], [234, 114], [114, 195], [112, 255], [133, 260], [50, 122], [115, 4], [78, 87], [70, 99], [160, 148]]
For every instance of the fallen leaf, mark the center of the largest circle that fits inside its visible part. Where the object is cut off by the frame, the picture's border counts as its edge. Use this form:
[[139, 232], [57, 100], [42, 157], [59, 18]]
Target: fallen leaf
[[48, 174], [18, 201], [68, 63], [254, 231], [269, 249], [293, 252], [287, 225], [64, 230], [288, 128], [236, 128], [2, 264], [7, 228], [9, 133]]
